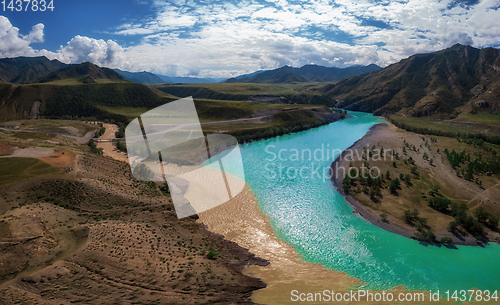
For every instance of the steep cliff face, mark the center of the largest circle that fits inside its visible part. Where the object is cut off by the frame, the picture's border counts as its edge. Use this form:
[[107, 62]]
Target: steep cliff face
[[23, 102]]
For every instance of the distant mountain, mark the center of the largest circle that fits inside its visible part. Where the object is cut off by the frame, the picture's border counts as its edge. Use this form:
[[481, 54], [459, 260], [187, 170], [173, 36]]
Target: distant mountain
[[250, 74], [190, 80], [307, 73], [92, 88], [86, 73], [426, 84], [25, 70], [145, 78]]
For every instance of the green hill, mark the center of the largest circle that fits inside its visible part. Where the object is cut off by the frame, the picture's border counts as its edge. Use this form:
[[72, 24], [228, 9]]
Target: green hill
[[448, 82], [25, 70], [281, 93], [85, 73], [80, 100]]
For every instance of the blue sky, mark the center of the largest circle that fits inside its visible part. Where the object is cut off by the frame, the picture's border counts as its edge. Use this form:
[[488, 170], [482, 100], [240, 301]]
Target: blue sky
[[226, 38]]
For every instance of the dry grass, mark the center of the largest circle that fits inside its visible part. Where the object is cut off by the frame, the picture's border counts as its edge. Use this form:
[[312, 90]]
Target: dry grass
[[98, 236]]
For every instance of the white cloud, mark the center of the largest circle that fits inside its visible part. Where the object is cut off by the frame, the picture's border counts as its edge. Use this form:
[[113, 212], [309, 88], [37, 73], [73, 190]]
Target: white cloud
[[77, 50], [100, 52], [12, 43], [210, 38], [36, 34]]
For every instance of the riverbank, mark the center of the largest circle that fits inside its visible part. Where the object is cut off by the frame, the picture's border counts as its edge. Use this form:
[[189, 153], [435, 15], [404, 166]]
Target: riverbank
[[364, 211], [414, 195], [241, 221]]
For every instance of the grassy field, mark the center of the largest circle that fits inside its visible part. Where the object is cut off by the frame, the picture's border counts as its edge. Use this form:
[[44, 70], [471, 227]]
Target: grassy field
[[249, 88], [210, 110], [77, 128], [129, 112], [14, 170], [432, 125], [471, 128], [34, 135], [303, 93], [485, 118]]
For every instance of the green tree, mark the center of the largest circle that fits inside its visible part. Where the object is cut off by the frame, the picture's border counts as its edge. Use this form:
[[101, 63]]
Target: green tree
[[407, 180], [453, 226], [446, 240], [493, 222], [481, 214], [440, 204], [393, 187], [422, 221], [346, 184], [373, 194]]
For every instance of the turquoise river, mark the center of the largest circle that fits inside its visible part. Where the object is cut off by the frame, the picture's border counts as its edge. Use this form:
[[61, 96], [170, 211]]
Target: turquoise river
[[307, 212]]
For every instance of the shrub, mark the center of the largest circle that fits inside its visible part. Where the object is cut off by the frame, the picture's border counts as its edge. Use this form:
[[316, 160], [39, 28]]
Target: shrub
[[93, 147], [446, 240], [440, 204], [212, 254]]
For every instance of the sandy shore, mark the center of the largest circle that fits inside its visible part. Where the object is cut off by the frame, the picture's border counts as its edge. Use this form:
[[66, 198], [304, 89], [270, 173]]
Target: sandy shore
[[241, 221]]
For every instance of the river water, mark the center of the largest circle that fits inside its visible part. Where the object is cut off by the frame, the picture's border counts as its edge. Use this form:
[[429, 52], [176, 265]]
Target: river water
[[286, 175]]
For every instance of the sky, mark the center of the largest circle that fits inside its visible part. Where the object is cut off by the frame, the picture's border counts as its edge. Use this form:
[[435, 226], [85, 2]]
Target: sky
[[203, 38]]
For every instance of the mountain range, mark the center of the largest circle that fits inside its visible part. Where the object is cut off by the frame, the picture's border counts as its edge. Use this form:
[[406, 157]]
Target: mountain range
[[307, 73], [29, 70], [146, 78], [455, 80], [86, 73], [445, 82], [25, 70]]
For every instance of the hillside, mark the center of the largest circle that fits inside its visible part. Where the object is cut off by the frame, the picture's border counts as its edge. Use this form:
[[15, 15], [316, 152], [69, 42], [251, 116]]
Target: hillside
[[283, 93], [79, 100], [24, 70], [145, 78], [76, 227], [460, 79], [307, 73], [86, 73]]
